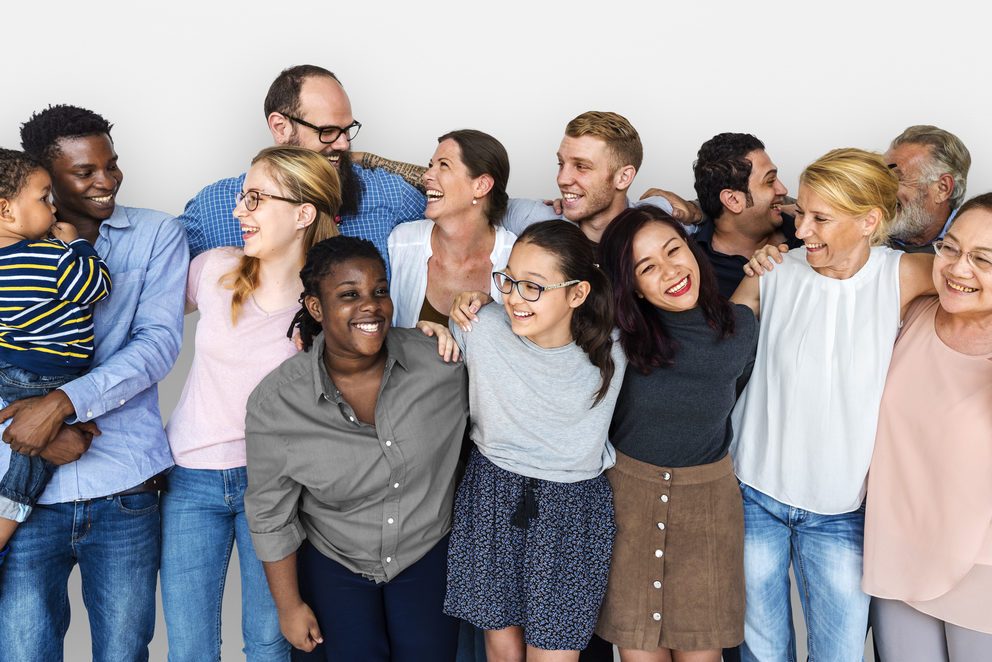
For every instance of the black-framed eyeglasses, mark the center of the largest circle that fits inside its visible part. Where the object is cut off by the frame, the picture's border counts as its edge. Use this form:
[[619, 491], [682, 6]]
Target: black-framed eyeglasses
[[527, 289], [328, 134], [252, 196], [979, 260]]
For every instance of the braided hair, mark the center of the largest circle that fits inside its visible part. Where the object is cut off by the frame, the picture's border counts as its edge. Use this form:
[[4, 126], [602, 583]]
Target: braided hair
[[324, 256]]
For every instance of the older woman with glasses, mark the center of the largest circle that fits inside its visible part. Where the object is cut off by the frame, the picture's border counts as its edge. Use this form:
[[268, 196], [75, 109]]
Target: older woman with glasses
[[928, 525], [804, 427], [247, 300]]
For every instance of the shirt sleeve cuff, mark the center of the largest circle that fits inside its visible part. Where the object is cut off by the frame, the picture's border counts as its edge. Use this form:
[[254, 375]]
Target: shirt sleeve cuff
[[276, 545]]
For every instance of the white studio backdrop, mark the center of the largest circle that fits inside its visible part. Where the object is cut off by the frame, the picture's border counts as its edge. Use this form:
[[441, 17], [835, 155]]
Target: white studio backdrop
[[183, 82]]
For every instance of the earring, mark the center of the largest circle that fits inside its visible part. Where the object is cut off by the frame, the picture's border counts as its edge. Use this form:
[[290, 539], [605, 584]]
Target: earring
[[475, 201]]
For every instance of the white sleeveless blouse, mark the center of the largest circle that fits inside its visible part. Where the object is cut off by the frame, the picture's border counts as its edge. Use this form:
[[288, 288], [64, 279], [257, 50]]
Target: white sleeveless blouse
[[804, 427]]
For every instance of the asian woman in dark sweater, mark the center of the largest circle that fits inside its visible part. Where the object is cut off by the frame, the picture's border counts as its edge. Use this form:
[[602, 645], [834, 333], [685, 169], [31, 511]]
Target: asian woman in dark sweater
[[676, 586]]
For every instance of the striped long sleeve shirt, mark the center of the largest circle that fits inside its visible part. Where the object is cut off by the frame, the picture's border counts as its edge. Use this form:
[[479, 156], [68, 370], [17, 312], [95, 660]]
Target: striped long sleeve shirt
[[46, 291]]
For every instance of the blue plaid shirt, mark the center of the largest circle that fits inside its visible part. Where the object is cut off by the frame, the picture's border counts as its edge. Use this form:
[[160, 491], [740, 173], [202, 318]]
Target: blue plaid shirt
[[387, 200]]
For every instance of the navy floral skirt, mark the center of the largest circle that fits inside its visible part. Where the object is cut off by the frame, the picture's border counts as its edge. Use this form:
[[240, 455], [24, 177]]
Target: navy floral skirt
[[532, 553]]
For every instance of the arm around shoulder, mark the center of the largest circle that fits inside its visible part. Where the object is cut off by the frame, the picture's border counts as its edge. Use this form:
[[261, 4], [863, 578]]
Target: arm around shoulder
[[748, 294], [915, 278]]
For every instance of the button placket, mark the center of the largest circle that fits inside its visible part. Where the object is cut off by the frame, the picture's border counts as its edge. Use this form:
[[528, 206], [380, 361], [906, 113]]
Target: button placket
[[659, 539]]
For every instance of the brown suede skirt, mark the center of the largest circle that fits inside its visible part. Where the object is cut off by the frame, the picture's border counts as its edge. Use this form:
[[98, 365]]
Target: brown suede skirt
[[677, 574]]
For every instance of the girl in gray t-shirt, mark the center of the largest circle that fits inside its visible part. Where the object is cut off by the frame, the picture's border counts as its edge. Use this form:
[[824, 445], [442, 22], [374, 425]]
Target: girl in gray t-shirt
[[533, 530]]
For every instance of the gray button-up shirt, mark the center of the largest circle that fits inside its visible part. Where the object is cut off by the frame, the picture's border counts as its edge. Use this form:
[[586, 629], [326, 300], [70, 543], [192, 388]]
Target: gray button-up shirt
[[373, 498]]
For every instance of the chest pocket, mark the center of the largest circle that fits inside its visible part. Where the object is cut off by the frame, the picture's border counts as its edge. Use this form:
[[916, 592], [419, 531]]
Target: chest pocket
[[113, 316]]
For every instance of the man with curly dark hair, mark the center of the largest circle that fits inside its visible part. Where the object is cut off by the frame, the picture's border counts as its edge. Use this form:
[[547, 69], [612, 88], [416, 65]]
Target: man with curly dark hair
[[102, 510], [740, 192]]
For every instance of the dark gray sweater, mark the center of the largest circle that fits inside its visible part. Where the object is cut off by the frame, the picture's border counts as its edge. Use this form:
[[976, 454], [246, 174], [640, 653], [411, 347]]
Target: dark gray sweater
[[680, 416]]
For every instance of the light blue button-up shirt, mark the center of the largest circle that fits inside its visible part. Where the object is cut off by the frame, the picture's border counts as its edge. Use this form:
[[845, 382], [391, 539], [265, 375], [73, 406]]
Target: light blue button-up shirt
[[138, 331]]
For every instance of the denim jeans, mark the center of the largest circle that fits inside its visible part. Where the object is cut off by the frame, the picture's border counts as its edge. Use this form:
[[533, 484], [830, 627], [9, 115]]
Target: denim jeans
[[115, 541], [825, 552], [203, 515], [26, 477]]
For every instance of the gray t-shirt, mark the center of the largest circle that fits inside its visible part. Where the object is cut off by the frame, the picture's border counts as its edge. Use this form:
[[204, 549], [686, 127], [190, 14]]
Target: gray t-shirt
[[532, 408]]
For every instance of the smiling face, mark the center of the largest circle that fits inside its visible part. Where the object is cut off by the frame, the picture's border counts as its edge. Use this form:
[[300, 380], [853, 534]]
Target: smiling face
[[274, 227], [354, 308], [666, 273], [85, 178], [323, 102], [546, 322], [31, 210], [587, 180], [919, 207], [450, 187], [837, 244], [767, 194], [963, 288]]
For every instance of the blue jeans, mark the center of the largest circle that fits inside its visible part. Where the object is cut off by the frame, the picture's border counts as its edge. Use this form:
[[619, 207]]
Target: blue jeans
[[203, 514], [115, 541], [27, 476], [826, 555]]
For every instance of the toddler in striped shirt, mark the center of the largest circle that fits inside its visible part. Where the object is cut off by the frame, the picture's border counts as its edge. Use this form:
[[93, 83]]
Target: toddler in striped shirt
[[49, 278]]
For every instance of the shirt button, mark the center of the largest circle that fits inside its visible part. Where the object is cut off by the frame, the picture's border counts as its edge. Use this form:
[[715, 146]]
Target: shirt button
[[89, 414], [123, 401], [666, 476], [661, 525], [656, 616], [664, 498], [389, 559], [396, 486], [389, 443], [659, 553], [351, 418], [657, 584], [389, 521]]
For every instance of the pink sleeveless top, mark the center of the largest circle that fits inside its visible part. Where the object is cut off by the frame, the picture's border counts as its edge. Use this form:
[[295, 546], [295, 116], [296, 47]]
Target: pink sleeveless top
[[928, 526]]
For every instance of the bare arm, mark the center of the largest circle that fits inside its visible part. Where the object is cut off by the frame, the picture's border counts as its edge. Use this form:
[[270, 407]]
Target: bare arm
[[748, 293], [296, 619], [410, 172], [915, 278]]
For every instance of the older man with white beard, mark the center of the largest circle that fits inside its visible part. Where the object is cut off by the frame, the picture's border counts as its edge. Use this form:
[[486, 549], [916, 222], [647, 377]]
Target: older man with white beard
[[932, 165]]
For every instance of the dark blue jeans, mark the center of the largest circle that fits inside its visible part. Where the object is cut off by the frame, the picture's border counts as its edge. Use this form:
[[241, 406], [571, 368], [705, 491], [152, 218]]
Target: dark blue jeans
[[398, 621], [26, 476]]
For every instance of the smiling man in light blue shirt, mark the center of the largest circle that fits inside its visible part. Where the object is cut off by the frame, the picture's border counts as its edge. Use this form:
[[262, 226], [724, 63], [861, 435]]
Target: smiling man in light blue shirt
[[102, 510]]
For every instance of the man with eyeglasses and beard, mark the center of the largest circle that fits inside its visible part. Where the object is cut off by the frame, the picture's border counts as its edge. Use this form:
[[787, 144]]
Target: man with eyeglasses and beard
[[932, 165], [307, 106]]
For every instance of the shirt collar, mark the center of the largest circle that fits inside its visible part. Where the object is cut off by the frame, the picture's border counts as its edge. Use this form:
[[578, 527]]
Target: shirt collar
[[119, 219], [324, 387], [947, 225]]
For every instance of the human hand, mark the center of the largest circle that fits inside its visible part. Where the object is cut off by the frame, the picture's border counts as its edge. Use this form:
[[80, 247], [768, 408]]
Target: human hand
[[686, 213], [447, 348], [300, 628], [67, 232], [70, 442], [765, 258], [36, 421], [555, 205], [465, 306]]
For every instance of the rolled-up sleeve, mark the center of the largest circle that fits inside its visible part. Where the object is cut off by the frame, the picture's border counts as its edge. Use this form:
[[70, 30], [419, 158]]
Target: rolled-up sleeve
[[272, 498]]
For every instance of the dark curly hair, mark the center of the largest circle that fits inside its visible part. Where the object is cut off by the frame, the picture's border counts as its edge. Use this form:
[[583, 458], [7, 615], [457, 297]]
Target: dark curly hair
[[592, 322], [41, 134], [15, 168], [643, 334], [324, 256], [722, 164]]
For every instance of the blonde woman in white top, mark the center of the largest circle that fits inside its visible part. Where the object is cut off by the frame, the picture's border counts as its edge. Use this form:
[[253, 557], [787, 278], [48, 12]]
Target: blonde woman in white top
[[460, 244], [804, 427]]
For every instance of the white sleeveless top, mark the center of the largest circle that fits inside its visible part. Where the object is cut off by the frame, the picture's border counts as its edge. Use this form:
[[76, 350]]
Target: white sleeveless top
[[804, 427]]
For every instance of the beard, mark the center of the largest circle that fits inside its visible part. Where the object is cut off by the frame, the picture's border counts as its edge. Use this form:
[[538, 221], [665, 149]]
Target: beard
[[351, 186], [911, 221]]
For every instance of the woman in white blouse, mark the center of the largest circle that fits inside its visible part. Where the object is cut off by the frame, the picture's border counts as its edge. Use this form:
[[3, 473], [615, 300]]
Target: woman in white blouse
[[804, 427], [460, 243]]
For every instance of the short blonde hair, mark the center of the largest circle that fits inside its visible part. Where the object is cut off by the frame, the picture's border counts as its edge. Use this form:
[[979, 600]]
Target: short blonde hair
[[855, 182], [307, 176], [619, 134]]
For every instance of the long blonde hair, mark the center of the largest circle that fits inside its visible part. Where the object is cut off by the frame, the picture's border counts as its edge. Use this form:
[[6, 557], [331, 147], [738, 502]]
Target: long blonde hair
[[855, 182], [312, 179]]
